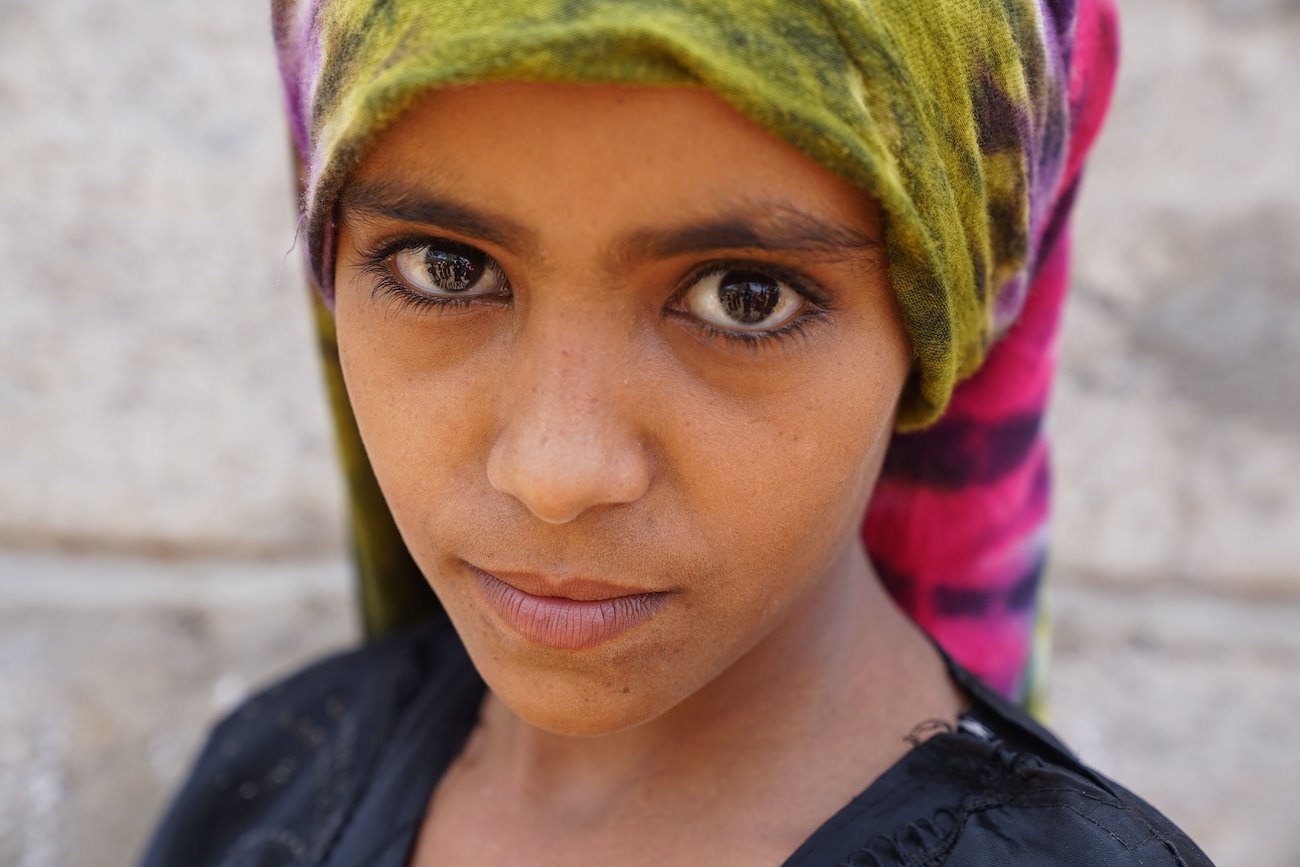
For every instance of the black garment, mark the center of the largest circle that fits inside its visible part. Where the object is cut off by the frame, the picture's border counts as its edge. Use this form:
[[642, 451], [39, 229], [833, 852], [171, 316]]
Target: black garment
[[335, 766]]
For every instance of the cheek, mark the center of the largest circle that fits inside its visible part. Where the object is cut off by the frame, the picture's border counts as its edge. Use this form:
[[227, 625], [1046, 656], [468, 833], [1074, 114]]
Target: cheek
[[779, 486], [806, 448], [420, 405]]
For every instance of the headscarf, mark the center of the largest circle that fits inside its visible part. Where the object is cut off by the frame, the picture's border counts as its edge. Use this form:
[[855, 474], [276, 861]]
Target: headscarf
[[967, 120]]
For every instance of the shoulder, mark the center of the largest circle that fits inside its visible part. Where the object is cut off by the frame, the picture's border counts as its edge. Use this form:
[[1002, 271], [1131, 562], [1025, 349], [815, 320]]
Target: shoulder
[[979, 803], [1035, 802], [1001, 789], [1036, 812], [277, 775]]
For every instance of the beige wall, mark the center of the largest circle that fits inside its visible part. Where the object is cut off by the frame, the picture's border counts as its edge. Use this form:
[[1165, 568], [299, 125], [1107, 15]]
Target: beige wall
[[158, 395], [158, 381]]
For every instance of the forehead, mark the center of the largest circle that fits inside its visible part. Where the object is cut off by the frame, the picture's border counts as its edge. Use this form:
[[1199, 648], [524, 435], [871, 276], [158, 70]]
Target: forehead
[[595, 159]]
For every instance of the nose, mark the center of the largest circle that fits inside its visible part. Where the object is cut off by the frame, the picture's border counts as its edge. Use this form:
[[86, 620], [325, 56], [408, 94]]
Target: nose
[[568, 440]]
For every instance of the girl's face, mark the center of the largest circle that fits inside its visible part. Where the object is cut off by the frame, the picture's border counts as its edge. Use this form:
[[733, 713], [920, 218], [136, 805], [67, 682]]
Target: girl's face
[[625, 365]]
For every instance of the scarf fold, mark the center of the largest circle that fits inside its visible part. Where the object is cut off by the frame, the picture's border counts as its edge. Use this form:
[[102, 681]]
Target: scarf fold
[[968, 120]]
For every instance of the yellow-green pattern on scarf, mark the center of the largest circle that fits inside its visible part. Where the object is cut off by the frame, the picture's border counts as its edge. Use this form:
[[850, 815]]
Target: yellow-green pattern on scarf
[[888, 94]]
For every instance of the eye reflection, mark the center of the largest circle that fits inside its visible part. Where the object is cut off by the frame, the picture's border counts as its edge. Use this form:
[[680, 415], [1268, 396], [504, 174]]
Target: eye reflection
[[743, 299], [447, 268]]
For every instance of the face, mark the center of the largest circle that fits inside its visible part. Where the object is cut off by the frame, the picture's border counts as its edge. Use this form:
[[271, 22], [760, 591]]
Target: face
[[625, 365]]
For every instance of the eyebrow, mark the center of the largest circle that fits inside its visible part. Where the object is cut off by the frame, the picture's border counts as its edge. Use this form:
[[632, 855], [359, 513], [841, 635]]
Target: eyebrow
[[370, 199], [776, 227]]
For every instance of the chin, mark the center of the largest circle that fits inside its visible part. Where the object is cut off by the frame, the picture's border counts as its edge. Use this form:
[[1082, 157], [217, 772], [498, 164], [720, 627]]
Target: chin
[[598, 690], [565, 704], [580, 720], [585, 693]]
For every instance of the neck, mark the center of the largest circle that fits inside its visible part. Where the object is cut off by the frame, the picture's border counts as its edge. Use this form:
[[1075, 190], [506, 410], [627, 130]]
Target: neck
[[847, 674]]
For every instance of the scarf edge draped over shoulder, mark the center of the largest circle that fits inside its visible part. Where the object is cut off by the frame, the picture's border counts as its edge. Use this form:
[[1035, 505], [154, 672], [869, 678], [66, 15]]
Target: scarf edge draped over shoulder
[[968, 121]]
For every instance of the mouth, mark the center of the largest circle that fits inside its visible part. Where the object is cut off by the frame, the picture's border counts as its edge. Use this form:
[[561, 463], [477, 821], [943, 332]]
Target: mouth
[[573, 614]]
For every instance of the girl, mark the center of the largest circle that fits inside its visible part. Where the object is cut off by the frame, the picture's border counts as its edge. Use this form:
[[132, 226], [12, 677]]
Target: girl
[[631, 299]]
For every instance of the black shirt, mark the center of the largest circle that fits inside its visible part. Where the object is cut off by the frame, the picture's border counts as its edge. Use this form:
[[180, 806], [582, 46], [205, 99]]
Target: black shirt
[[335, 766]]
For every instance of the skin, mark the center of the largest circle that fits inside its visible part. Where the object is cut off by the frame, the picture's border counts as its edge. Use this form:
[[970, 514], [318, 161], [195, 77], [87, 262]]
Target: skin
[[591, 422]]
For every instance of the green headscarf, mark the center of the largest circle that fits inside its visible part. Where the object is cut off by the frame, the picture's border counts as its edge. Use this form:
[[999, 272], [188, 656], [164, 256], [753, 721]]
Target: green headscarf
[[888, 94]]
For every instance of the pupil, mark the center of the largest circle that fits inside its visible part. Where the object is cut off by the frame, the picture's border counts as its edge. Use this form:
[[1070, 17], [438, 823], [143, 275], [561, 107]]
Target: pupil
[[453, 270], [748, 297]]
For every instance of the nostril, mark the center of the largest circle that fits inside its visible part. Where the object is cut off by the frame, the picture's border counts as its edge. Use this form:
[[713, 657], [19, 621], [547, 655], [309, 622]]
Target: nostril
[[557, 478], [553, 512]]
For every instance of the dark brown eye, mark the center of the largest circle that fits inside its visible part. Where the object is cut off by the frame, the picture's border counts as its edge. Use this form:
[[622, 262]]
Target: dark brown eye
[[743, 300], [748, 298], [448, 268]]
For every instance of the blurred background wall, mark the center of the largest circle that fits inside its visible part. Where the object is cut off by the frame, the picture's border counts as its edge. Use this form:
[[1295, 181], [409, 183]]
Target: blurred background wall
[[170, 519]]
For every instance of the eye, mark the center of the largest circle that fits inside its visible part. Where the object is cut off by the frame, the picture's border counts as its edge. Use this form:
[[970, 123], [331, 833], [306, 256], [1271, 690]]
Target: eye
[[449, 269], [742, 299]]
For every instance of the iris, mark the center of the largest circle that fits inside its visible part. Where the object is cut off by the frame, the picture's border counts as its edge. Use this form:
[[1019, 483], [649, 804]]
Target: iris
[[748, 297]]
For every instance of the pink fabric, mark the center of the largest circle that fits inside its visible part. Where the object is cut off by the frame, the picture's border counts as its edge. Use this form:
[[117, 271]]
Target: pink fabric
[[959, 522]]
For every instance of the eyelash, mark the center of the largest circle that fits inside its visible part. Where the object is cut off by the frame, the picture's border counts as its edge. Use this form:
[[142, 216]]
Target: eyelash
[[387, 286], [795, 329]]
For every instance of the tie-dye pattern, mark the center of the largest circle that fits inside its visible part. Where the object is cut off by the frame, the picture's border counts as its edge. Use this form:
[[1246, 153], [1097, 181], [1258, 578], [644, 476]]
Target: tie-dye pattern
[[958, 524], [967, 120]]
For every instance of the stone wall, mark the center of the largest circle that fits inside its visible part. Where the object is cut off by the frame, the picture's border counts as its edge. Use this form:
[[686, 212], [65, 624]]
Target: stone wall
[[169, 505]]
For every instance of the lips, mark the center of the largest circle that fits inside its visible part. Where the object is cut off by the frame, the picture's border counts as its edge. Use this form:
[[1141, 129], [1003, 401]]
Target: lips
[[573, 614]]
